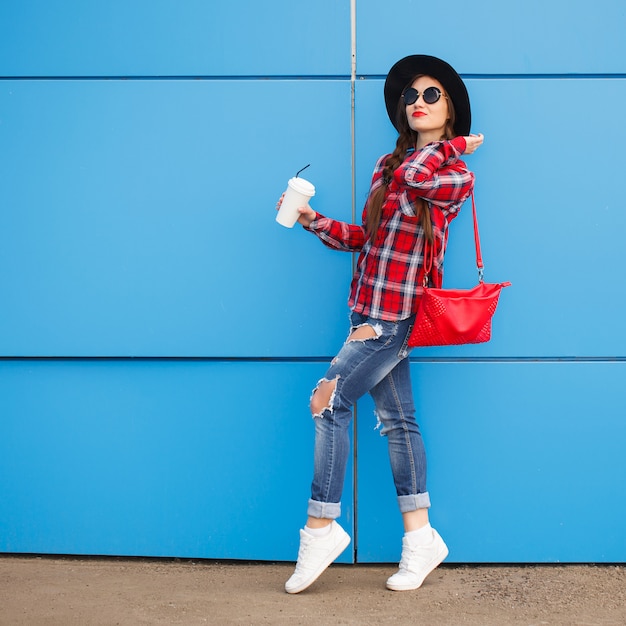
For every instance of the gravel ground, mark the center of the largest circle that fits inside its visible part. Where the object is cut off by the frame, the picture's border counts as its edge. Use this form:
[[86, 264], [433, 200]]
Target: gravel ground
[[109, 591]]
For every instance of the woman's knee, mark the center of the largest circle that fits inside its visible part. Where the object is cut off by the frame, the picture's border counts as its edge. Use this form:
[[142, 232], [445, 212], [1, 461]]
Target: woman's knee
[[323, 396]]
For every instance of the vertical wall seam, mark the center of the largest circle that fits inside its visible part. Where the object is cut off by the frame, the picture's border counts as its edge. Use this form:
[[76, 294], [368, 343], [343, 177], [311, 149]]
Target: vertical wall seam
[[355, 538], [352, 100]]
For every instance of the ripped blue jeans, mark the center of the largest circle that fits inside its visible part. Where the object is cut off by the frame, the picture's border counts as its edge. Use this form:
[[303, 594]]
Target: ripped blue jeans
[[378, 365]]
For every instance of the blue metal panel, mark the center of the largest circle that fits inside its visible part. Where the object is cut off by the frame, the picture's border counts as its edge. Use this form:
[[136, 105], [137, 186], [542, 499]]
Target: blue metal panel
[[171, 38], [550, 218], [494, 37], [156, 458], [137, 217], [525, 463], [126, 230]]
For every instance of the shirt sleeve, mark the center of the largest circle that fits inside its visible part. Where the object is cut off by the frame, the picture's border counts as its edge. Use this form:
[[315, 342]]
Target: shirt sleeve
[[337, 235], [341, 235], [438, 174]]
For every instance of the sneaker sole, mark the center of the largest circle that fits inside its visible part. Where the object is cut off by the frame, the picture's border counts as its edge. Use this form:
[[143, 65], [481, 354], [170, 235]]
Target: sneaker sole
[[433, 564], [320, 570]]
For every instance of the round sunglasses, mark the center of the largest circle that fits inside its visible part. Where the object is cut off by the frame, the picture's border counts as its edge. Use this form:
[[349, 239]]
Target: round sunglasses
[[430, 95]]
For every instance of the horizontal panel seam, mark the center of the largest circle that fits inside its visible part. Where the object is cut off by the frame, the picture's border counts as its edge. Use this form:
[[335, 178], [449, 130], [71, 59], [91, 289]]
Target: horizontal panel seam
[[331, 77], [328, 77], [307, 359]]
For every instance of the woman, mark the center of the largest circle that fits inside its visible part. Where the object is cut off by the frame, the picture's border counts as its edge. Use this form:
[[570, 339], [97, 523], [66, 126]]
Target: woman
[[415, 192]]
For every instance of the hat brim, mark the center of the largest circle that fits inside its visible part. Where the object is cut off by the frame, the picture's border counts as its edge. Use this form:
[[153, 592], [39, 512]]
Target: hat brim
[[401, 74]]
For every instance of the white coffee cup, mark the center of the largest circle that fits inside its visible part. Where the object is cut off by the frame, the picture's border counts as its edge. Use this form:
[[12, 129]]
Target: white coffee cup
[[299, 192]]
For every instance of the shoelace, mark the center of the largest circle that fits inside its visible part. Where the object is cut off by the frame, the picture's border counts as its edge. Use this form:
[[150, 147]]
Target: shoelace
[[305, 545], [409, 553]]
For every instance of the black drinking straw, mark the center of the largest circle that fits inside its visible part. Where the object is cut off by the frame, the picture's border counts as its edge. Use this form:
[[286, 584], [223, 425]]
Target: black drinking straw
[[302, 170]]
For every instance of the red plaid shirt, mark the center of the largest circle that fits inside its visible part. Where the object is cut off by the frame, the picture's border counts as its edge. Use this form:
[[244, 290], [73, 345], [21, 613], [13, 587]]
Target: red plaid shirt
[[387, 283]]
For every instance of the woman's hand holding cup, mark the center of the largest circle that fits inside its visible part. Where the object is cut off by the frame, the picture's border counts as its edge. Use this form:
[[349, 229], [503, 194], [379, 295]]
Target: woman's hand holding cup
[[307, 214], [293, 204]]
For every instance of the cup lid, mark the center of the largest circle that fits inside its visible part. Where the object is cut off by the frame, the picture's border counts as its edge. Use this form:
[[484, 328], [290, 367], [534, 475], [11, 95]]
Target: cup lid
[[302, 185]]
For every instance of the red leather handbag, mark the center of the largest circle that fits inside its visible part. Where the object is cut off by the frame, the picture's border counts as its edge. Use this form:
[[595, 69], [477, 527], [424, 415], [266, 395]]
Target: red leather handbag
[[456, 316]]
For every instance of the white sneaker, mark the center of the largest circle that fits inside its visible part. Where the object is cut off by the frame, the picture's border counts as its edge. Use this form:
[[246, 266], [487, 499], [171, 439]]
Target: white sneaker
[[417, 562], [315, 555]]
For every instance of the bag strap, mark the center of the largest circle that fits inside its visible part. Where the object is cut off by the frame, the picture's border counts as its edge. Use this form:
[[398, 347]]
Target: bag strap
[[479, 256], [429, 251]]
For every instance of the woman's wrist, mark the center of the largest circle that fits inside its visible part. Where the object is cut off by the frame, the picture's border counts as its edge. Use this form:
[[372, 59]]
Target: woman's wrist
[[459, 144]]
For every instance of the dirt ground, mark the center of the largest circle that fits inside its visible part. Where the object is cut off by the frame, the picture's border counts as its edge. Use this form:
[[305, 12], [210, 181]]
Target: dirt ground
[[86, 591]]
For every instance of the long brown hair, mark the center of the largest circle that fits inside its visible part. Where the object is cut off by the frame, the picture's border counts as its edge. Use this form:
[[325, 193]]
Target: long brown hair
[[407, 138]]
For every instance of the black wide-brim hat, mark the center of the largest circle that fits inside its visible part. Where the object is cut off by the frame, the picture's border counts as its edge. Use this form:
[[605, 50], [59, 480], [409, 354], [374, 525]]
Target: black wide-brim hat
[[405, 70]]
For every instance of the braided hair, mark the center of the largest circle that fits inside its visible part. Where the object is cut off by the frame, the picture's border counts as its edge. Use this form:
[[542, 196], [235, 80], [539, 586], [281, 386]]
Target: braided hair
[[407, 139]]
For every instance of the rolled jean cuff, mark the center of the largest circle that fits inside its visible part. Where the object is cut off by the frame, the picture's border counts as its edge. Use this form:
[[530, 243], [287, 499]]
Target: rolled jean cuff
[[414, 502], [324, 510]]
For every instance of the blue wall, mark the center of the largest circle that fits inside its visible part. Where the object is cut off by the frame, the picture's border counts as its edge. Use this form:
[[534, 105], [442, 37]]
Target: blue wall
[[160, 333]]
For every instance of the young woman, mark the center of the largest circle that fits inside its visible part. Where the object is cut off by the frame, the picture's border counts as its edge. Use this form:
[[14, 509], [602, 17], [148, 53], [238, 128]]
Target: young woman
[[415, 193]]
